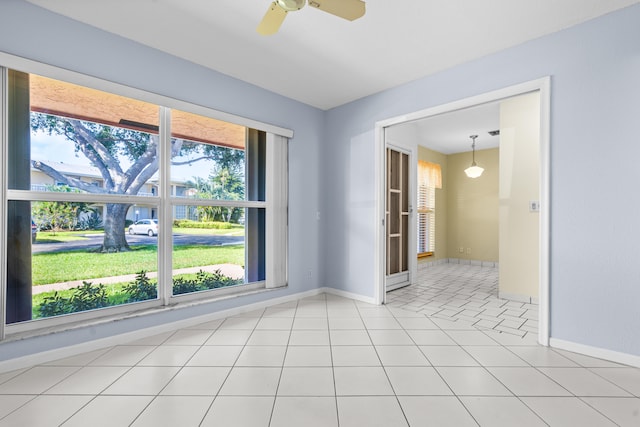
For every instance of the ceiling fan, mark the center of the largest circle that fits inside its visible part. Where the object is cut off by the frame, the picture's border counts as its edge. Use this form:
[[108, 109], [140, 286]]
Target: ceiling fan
[[347, 9]]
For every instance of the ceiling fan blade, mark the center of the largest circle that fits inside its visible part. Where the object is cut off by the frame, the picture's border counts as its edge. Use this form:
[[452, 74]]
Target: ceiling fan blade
[[272, 20], [347, 9]]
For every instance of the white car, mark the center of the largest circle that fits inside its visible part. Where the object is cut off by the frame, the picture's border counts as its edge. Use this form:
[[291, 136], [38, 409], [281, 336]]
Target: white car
[[145, 226]]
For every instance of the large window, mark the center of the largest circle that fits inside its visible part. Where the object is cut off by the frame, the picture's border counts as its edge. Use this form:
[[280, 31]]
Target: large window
[[116, 204]]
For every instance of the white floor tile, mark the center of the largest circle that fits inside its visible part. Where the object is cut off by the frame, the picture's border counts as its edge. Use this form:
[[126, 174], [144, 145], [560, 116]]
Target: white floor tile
[[306, 382], [435, 411], [142, 380], [502, 412], [472, 381], [351, 337], [471, 338], [390, 337], [169, 355], [416, 323], [239, 411], [361, 381], [582, 382], [308, 356], [229, 337], [416, 381], [304, 411], [251, 382], [89, 380], [626, 378], [541, 356], [528, 382], [197, 381], [623, 411], [588, 362], [566, 411], [183, 411], [494, 356], [189, 337], [370, 411], [357, 355], [247, 323], [123, 355], [306, 337], [262, 355], [430, 337], [310, 323], [10, 403], [79, 360], [275, 323], [448, 355], [153, 339], [36, 380], [269, 337], [381, 323], [401, 355], [109, 411], [216, 355], [44, 411]]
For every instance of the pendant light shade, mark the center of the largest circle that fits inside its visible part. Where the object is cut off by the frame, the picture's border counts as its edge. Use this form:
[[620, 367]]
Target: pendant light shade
[[473, 171]]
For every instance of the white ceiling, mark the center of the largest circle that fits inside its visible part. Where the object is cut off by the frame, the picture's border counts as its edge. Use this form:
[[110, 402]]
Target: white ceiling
[[326, 61], [450, 133]]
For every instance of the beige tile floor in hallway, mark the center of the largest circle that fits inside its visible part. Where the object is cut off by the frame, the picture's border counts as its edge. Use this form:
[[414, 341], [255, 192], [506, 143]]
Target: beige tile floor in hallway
[[325, 361]]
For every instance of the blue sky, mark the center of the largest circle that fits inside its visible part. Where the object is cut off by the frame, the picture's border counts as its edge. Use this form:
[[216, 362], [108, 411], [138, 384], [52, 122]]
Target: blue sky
[[56, 148]]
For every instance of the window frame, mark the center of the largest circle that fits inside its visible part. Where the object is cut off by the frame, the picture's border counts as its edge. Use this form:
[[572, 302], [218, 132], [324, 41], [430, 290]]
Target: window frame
[[275, 204]]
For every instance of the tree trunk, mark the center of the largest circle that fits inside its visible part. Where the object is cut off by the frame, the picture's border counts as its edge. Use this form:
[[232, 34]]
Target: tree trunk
[[115, 239]]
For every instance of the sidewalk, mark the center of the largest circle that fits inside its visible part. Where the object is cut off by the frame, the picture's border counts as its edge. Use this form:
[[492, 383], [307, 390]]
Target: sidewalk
[[230, 270]]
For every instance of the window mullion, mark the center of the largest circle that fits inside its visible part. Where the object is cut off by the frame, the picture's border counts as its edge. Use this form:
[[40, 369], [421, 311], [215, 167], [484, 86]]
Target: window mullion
[[165, 234]]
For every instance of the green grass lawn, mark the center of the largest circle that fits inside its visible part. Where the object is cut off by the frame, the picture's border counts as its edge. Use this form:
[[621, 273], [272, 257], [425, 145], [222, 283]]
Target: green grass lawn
[[63, 236], [55, 267]]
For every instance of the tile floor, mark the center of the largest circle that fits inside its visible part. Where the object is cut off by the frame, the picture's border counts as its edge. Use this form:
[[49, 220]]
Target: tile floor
[[325, 361], [465, 294]]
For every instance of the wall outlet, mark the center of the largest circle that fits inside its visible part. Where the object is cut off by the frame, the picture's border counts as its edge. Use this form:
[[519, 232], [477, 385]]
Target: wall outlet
[[468, 251], [461, 250]]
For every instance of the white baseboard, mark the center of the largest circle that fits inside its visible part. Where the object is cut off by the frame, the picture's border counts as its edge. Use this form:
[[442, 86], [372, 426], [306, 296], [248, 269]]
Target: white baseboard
[[87, 346], [600, 353], [345, 294], [518, 298]]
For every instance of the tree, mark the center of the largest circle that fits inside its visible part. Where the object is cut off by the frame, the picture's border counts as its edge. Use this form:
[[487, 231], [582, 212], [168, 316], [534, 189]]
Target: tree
[[58, 216], [225, 182], [110, 149]]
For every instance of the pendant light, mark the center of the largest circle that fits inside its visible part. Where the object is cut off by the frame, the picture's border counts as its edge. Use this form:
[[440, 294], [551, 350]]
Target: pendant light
[[474, 171]]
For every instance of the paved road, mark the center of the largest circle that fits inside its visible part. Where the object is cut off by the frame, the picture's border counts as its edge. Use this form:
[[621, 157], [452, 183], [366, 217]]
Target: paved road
[[95, 240]]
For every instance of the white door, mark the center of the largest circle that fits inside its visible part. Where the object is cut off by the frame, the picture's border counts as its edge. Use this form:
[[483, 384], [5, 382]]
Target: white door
[[399, 227]]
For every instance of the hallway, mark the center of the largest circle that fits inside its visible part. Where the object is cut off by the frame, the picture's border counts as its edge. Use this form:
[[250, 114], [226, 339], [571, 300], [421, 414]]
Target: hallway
[[467, 294]]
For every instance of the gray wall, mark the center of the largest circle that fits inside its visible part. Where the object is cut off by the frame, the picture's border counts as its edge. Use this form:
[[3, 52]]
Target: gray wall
[[595, 69]]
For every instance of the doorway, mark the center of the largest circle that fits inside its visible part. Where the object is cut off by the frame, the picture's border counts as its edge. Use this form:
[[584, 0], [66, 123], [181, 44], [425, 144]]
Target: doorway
[[542, 86]]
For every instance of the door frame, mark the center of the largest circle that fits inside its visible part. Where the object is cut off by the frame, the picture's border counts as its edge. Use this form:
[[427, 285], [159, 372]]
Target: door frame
[[543, 86]]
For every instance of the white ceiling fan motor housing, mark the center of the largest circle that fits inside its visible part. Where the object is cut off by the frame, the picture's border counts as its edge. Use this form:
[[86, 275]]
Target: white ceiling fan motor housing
[[291, 5]]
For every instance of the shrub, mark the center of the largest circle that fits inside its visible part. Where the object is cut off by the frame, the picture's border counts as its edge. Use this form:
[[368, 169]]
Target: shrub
[[217, 225], [141, 289], [84, 297]]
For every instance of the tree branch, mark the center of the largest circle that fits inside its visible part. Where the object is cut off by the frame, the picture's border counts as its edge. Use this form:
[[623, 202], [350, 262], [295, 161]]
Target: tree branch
[[71, 182]]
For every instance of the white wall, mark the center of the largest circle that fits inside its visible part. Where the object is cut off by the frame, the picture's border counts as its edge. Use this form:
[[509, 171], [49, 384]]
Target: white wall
[[594, 147], [519, 185]]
